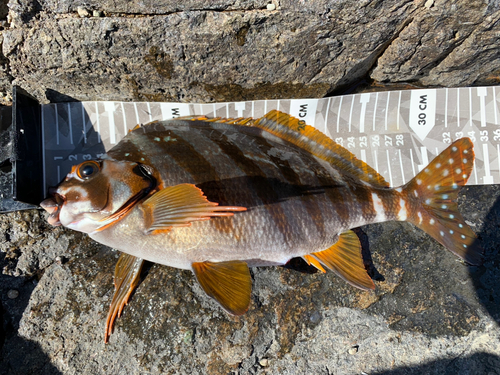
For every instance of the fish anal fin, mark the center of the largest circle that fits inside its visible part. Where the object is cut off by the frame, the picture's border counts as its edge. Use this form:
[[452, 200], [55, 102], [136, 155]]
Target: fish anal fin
[[307, 137], [127, 276], [435, 191], [229, 283], [313, 261], [344, 258], [179, 206]]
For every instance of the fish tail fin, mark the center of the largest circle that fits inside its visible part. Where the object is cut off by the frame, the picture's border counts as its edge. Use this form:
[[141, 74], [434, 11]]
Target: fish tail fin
[[433, 195]]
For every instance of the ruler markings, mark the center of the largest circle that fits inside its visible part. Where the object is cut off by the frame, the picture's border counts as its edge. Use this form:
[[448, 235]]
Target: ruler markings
[[326, 116], [425, 159], [446, 108], [470, 107], [125, 129], [137, 119], [84, 122], [338, 115], [350, 112], [389, 167], [364, 100], [375, 112], [402, 168], [363, 155], [70, 124], [495, 105], [482, 93], [53, 117], [57, 124], [412, 163], [399, 111], [387, 109], [488, 178]]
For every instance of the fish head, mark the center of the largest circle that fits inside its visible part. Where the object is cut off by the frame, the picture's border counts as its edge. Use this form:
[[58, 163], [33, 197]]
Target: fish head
[[97, 192]]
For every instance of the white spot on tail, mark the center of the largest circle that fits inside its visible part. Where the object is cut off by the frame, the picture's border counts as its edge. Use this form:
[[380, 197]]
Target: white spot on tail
[[446, 172], [403, 213], [466, 152], [415, 193], [378, 207], [432, 221], [465, 161], [454, 148], [438, 165], [419, 214]]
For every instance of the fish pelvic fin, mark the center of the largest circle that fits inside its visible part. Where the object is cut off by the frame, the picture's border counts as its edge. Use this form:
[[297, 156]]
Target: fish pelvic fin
[[179, 206], [434, 192], [229, 283], [127, 277], [344, 258]]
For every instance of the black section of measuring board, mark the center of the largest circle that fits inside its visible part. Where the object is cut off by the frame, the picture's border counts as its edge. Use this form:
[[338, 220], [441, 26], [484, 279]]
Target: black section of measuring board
[[27, 160]]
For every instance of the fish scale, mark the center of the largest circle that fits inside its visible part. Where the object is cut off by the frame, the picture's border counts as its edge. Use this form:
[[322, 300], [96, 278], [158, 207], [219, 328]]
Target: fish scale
[[216, 196]]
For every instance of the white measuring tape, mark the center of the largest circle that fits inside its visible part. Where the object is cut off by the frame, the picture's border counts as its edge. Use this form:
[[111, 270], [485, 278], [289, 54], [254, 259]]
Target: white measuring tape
[[395, 132]]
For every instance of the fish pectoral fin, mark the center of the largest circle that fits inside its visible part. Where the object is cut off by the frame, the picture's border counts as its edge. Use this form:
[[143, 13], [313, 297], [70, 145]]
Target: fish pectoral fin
[[344, 258], [179, 206], [127, 272], [229, 283]]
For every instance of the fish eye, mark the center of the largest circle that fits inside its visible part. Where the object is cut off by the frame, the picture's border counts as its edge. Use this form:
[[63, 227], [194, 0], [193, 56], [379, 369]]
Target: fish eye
[[88, 169]]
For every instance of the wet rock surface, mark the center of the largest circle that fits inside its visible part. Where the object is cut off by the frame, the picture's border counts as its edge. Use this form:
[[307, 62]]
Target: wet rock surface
[[429, 314]]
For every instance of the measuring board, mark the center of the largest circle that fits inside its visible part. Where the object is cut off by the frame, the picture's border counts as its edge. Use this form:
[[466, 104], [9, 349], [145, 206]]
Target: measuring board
[[395, 132]]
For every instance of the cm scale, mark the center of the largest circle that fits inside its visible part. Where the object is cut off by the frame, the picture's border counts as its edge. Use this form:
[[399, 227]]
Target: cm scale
[[396, 132]]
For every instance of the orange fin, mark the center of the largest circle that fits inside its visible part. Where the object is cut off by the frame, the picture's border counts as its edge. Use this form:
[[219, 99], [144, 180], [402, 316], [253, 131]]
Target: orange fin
[[436, 189], [179, 206], [308, 138], [311, 260], [229, 283], [127, 273], [344, 258], [222, 120]]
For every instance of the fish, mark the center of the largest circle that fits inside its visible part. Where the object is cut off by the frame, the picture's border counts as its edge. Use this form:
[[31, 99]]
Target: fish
[[217, 196]]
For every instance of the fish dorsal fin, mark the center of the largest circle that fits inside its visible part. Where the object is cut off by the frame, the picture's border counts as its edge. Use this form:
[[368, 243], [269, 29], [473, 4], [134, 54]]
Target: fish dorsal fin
[[344, 258], [179, 206], [308, 138], [229, 283], [219, 120]]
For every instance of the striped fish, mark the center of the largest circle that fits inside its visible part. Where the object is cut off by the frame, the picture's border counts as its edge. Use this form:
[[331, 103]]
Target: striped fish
[[217, 196]]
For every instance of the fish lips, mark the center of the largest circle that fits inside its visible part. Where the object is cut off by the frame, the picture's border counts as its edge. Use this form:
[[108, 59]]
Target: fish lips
[[53, 206]]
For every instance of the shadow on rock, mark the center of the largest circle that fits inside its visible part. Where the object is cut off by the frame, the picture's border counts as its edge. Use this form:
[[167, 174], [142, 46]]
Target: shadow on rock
[[486, 278], [478, 363], [18, 356]]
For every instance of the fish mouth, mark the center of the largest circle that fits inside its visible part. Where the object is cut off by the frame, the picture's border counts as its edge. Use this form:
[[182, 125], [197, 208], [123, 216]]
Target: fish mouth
[[53, 206]]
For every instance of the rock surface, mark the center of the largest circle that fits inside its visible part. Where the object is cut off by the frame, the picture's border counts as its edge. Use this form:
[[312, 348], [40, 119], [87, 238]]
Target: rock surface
[[429, 314]]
